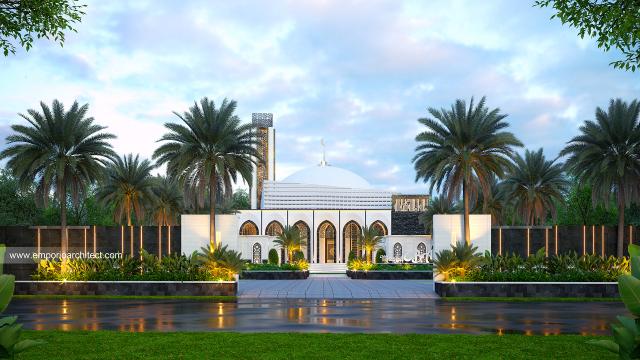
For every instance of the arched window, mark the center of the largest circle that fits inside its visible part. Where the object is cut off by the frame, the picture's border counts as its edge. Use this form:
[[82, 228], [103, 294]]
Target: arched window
[[327, 238], [274, 229], [397, 250], [248, 228], [422, 249], [380, 227], [351, 236], [257, 253], [303, 228]]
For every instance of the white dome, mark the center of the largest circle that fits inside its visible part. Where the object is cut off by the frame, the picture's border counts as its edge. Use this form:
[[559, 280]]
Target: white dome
[[327, 175]]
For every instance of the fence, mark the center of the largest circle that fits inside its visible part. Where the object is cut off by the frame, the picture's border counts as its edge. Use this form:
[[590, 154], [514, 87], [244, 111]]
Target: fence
[[582, 239], [125, 240]]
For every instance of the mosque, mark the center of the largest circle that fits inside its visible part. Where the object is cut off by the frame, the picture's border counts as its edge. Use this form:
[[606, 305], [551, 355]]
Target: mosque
[[329, 205]]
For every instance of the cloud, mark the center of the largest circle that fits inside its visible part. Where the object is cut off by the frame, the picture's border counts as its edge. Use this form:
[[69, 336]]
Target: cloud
[[356, 73]]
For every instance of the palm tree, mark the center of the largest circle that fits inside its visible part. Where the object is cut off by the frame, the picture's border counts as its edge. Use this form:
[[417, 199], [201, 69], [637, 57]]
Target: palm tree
[[437, 205], [495, 203], [211, 147], [167, 202], [370, 239], [60, 150], [128, 186], [290, 241], [535, 185], [605, 155], [462, 150]]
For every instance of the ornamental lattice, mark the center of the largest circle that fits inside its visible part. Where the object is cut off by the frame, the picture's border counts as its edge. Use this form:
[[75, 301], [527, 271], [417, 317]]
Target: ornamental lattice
[[262, 120]]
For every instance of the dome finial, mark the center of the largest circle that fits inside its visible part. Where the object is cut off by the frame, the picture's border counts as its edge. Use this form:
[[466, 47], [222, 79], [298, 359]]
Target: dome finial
[[323, 162]]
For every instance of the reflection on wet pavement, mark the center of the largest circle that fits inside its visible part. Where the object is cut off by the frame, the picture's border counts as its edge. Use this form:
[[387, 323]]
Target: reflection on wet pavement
[[395, 316]]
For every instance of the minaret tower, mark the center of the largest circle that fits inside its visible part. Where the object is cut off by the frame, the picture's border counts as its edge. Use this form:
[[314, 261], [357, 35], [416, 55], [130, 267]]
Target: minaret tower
[[266, 146]]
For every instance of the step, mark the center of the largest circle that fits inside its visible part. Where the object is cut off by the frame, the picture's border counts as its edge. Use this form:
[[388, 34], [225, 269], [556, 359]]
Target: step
[[331, 268]]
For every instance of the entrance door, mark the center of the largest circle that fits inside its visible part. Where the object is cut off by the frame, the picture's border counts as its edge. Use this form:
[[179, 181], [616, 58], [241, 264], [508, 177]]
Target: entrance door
[[331, 250]]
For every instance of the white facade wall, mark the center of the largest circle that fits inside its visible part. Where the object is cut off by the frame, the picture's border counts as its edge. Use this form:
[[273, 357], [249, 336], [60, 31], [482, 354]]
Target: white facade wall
[[449, 229], [409, 244], [195, 229]]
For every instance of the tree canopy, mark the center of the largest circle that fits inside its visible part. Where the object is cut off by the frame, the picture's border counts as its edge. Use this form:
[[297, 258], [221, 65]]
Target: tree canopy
[[22, 21], [612, 23]]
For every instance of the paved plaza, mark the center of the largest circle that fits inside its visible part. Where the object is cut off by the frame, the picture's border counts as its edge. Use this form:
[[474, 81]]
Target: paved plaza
[[336, 288]]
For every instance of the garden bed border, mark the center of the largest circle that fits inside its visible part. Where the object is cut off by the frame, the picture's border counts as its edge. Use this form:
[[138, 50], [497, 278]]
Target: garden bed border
[[274, 274], [527, 289], [130, 288], [390, 274]]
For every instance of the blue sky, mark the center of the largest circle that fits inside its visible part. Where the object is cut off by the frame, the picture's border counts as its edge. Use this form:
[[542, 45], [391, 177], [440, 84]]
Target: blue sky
[[356, 73]]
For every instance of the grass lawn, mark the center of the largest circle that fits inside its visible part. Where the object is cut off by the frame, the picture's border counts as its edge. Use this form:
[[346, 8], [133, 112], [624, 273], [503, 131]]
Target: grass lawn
[[199, 345], [129, 297], [531, 299]]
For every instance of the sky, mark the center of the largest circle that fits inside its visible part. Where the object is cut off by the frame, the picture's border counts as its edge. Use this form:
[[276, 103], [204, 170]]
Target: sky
[[356, 73]]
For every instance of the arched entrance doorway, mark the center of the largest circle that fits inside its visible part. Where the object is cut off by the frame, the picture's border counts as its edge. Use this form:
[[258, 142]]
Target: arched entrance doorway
[[303, 228], [351, 236], [327, 243]]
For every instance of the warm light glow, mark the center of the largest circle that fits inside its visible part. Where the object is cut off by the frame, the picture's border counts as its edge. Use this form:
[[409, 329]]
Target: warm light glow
[[169, 239], [122, 240], [94, 240], [85, 240], [546, 242], [593, 239], [556, 231], [602, 228], [528, 242], [500, 241], [140, 242]]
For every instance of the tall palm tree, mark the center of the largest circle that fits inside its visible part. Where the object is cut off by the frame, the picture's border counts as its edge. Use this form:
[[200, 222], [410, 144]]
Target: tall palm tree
[[462, 149], [437, 205], [211, 145], [370, 239], [128, 186], [60, 150], [290, 240], [495, 203], [535, 185], [167, 202], [606, 155]]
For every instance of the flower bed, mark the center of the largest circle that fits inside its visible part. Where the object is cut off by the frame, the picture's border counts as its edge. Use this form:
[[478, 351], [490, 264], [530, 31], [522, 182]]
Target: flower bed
[[361, 265], [390, 274], [287, 271], [462, 264], [218, 265]]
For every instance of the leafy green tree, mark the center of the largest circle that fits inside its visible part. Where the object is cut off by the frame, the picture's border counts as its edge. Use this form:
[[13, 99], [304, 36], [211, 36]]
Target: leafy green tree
[[577, 208], [24, 20], [613, 23], [290, 240], [534, 185], [462, 149], [605, 155], [212, 145], [240, 200], [437, 205], [17, 205], [128, 186], [60, 150], [167, 202]]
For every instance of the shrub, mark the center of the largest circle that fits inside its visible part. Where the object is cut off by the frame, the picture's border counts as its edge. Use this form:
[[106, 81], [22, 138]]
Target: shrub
[[297, 256], [351, 256], [273, 257], [379, 254]]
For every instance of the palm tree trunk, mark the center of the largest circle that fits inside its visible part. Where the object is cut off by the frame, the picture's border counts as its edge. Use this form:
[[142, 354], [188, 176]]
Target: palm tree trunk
[[620, 248], [64, 239], [212, 210], [465, 198]]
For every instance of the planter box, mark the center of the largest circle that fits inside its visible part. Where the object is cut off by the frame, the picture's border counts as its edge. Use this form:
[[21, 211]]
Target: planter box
[[130, 288], [391, 274], [527, 289], [274, 275]]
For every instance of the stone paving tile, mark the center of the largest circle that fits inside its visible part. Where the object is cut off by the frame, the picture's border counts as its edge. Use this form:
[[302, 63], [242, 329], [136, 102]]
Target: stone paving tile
[[336, 288]]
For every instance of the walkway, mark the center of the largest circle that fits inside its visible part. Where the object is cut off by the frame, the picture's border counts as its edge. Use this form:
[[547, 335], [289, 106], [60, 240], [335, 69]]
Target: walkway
[[336, 288]]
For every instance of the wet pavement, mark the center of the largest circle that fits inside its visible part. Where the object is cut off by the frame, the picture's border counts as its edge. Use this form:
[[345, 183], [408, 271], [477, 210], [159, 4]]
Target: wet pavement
[[274, 315]]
